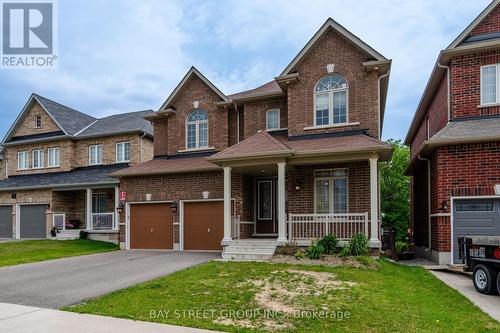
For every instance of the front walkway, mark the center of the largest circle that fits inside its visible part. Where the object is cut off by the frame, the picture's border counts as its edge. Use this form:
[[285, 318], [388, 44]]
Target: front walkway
[[26, 319], [490, 304], [57, 283]]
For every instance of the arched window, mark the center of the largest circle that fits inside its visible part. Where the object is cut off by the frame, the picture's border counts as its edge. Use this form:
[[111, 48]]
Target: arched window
[[330, 100], [197, 129]]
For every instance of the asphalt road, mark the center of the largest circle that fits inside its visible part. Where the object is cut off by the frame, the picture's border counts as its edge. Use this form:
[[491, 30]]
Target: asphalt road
[[57, 283]]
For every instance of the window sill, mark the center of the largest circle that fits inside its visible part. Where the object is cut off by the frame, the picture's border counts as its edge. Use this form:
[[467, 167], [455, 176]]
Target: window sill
[[330, 126], [195, 149], [95, 164], [120, 162], [482, 106], [276, 129]]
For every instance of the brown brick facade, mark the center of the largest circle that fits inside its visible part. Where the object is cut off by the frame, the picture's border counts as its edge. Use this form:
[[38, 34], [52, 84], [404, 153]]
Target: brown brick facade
[[255, 115], [27, 124]]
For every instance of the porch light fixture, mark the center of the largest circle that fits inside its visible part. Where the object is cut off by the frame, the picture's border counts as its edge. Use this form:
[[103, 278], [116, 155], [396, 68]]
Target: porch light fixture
[[174, 205], [119, 208], [497, 189], [444, 206]]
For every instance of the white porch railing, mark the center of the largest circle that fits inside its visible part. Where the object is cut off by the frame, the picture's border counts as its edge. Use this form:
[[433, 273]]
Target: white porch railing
[[315, 226], [59, 221], [236, 227], [103, 221]]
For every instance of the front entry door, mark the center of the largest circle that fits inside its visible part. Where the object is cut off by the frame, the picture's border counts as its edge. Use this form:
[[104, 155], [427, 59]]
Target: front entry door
[[266, 207]]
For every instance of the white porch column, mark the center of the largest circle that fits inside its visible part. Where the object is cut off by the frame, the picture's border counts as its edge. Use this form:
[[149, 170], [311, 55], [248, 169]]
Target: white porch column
[[374, 239], [281, 202], [88, 209], [116, 225], [227, 205]]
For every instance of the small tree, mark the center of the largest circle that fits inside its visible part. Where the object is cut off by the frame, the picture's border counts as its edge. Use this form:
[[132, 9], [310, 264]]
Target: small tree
[[395, 191]]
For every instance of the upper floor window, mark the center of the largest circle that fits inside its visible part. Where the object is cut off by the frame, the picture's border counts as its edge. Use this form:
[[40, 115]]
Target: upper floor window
[[123, 152], [197, 129], [95, 154], [490, 85], [53, 157], [330, 100], [38, 159], [38, 121], [23, 161], [273, 119]]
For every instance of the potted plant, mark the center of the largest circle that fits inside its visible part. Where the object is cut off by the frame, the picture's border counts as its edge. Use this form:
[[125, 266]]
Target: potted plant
[[403, 251], [53, 232]]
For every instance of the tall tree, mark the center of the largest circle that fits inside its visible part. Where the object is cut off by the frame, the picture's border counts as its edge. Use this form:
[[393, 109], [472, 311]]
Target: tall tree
[[395, 191]]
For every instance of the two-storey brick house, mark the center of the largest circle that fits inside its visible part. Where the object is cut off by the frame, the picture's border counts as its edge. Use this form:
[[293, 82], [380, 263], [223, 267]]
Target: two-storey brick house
[[293, 159], [455, 143], [55, 164]]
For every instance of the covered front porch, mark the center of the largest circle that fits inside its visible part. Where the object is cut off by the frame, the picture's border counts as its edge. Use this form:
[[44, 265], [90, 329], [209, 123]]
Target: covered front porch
[[290, 196], [90, 209]]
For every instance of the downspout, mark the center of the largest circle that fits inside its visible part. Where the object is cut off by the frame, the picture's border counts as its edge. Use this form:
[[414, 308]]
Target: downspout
[[448, 87], [237, 122], [379, 102], [429, 202], [140, 147]]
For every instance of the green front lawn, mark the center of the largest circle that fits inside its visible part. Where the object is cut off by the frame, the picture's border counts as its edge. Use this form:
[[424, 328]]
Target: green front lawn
[[388, 298], [21, 252]]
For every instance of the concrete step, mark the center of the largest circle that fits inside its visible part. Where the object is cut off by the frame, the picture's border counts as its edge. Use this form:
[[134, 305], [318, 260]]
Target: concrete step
[[247, 248], [238, 256], [68, 234], [256, 242]]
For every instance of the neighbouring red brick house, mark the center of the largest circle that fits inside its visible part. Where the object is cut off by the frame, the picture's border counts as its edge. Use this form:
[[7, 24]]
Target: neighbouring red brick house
[[455, 143], [293, 159]]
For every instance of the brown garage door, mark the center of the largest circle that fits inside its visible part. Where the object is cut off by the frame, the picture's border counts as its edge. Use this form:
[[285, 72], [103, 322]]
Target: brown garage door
[[203, 225], [151, 226]]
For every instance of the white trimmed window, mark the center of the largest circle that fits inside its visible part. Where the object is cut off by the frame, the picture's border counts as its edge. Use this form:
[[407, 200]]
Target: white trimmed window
[[273, 119], [489, 84], [38, 159], [38, 121], [197, 129], [330, 101], [53, 155], [23, 160], [331, 191], [95, 154], [123, 152]]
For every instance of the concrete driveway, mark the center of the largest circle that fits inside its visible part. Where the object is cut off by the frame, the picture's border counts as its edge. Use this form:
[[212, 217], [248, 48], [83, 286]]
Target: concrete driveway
[[57, 283]]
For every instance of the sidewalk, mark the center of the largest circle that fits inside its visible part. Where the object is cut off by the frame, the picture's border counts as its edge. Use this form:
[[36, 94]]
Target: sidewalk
[[26, 319], [490, 304]]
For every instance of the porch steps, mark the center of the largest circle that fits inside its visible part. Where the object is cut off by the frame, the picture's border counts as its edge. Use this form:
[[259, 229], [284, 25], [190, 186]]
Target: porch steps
[[250, 250], [68, 235]]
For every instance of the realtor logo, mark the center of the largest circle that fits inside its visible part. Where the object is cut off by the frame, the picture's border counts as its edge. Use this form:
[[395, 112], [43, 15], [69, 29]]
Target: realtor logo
[[28, 34]]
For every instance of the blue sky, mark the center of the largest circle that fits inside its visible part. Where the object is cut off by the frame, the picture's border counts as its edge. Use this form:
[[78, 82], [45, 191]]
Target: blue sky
[[120, 56]]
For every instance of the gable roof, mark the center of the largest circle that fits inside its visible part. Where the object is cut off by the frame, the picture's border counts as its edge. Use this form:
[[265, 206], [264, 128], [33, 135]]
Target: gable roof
[[119, 123], [268, 89], [439, 71], [332, 24], [464, 34], [192, 71]]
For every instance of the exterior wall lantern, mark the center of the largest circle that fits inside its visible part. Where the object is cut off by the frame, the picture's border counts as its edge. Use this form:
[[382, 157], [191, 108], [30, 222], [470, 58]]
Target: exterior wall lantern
[[174, 206]]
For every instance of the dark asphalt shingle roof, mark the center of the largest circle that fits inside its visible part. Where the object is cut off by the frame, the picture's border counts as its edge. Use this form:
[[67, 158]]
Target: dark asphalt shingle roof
[[120, 123], [69, 119], [81, 176], [467, 129]]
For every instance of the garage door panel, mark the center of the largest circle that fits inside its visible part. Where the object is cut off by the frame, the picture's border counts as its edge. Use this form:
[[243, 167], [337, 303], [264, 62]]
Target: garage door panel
[[203, 225], [33, 221], [5, 221], [151, 226], [483, 222]]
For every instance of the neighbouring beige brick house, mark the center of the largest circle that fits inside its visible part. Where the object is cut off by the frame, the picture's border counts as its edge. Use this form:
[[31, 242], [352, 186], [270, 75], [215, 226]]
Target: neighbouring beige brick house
[[54, 164]]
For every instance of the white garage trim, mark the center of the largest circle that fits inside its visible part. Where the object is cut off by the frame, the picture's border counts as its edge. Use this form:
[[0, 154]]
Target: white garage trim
[[452, 207], [18, 216], [181, 220], [127, 217]]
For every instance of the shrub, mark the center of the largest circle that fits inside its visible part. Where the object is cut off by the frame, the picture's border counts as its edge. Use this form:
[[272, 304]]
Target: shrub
[[315, 251], [401, 247], [359, 245], [83, 234], [346, 251], [329, 243], [289, 248], [299, 255]]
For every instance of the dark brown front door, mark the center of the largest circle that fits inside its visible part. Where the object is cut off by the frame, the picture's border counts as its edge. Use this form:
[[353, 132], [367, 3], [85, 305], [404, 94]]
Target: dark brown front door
[[151, 226], [266, 206], [203, 225]]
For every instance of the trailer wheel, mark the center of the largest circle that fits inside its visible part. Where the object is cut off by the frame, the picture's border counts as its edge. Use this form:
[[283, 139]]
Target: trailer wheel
[[484, 279]]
